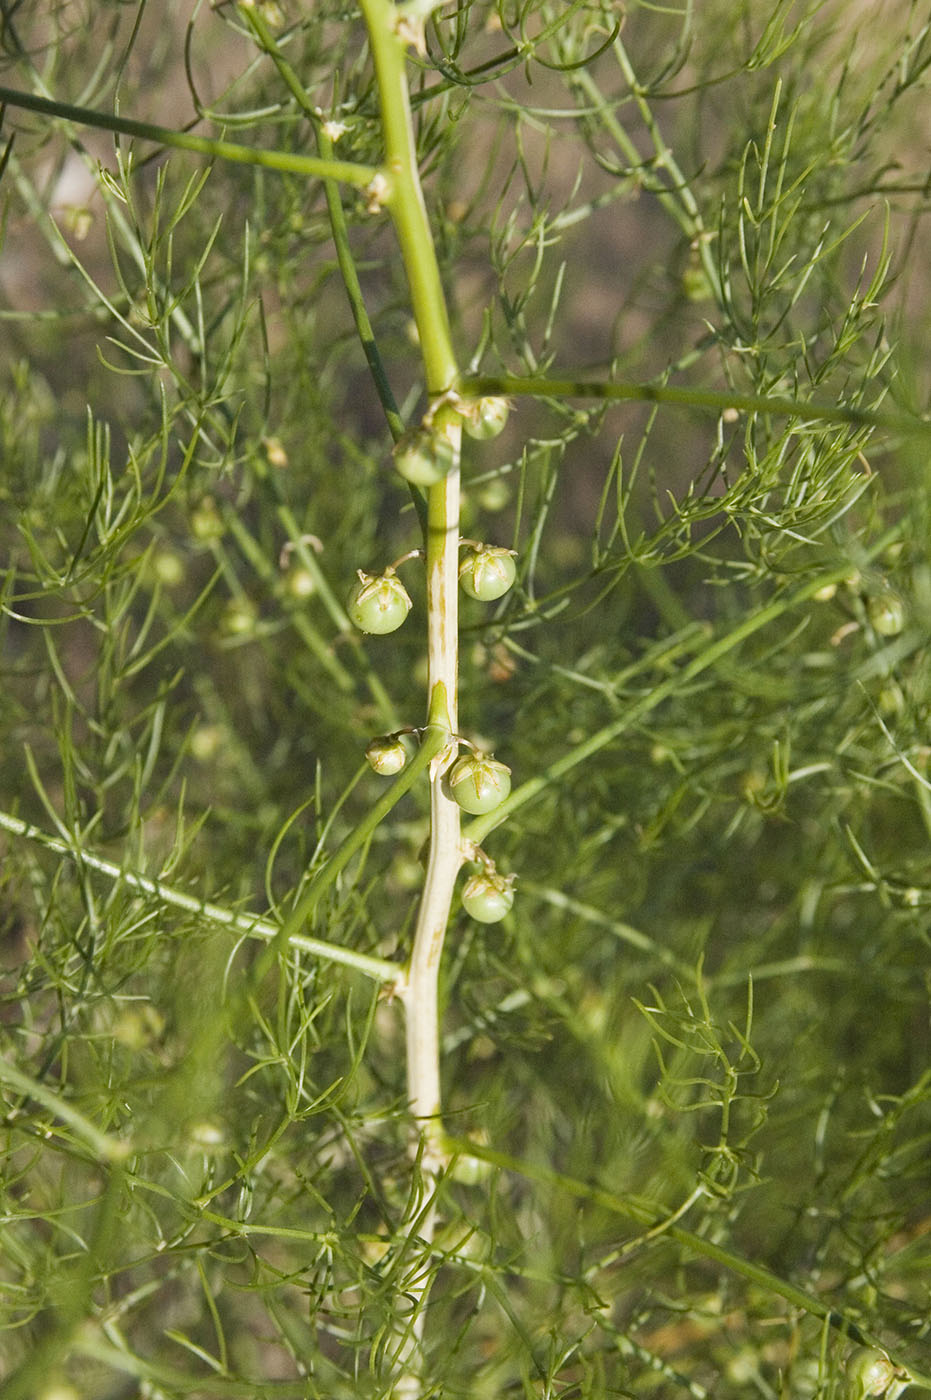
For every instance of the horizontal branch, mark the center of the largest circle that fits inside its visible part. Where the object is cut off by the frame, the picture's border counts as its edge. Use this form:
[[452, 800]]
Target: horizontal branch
[[343, 170], [720, 400], [251, 925]]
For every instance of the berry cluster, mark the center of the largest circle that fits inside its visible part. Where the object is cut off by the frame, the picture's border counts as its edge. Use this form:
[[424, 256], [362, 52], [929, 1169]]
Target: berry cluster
[[379, 604]]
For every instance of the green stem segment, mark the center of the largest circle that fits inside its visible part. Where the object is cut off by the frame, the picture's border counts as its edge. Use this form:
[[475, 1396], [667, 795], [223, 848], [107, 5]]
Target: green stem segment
[[404, 200], [257, 23], [405, 203], [404, 197], [720, 401], [247, 925], [346, 171]]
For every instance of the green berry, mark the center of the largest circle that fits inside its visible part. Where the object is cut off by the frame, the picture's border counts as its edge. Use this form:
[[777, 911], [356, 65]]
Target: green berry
[[485, 418], [479, 783], [426, 455], [378, 602], [886, 612], [487, 573], [239, 618], [205, 520], [300, 583], [386, 754], [487, 897], [869, 1372]]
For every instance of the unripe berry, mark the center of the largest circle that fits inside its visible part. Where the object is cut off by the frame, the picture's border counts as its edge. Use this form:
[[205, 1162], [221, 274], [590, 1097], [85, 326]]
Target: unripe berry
[[422, 459], [300, 583], [378, 603], [695, 283], [869, 1372], [487, 573], [426, 454], [479, 783], [485, 418], [886, 612], [487, 897], [386, 754]]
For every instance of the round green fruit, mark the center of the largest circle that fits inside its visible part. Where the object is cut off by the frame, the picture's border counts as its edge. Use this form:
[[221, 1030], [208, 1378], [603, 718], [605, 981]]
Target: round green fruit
[[487, 573], [869, 1372], [386, 755], [479, 783], [426, 455], [886, 612], [485, 418], [486, 897], [378, 603]]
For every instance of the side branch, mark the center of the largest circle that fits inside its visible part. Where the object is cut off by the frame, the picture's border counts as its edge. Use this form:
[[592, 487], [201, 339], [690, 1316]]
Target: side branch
[[719, 400], [343, 170]]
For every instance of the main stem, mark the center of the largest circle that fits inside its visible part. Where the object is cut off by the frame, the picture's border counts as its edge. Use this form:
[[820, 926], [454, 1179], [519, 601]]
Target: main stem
[[405, 203], [419, 991], [444, 859]]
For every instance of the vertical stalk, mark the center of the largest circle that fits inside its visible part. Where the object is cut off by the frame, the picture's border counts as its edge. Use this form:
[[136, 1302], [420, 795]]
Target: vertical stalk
[[444, 859], [421, 989], [403, 197]]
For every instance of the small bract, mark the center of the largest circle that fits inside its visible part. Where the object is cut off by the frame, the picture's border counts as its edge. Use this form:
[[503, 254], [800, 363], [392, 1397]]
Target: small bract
[[378, 603], [487, 897], [479, 783], [487, 573]]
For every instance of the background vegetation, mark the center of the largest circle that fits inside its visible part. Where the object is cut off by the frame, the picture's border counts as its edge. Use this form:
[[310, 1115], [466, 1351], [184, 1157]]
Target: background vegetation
[[697, 1051]]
